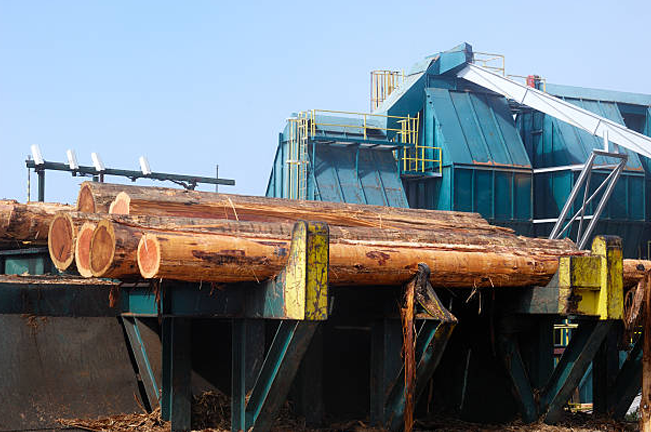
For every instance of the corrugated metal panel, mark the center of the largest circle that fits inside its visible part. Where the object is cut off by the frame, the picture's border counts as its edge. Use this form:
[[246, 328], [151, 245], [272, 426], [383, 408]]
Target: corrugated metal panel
[[552, 142], [474, 129], [377, 183]]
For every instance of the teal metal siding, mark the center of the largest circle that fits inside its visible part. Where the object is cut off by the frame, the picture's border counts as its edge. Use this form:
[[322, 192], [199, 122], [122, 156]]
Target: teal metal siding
[[343, 174], [475, 128], [485, 164], [377, 182]]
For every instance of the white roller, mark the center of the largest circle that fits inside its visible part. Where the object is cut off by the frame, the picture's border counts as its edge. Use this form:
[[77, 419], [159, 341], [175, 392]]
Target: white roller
[[555, 107]]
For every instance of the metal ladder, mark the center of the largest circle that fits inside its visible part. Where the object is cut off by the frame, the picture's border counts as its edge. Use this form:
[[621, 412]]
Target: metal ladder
[[298, 158]]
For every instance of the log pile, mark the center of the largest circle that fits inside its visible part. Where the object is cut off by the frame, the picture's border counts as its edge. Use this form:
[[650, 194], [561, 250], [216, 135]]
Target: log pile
[[153, 232], [127, 232]]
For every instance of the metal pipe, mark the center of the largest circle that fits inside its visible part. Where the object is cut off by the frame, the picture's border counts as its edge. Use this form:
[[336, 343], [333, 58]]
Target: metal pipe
[[588, 201], [601, 205], [585, 196], [570, 200]]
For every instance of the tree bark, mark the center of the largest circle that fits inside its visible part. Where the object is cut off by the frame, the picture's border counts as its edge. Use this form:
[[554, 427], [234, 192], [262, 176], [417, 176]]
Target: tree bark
[[112, 252], [136, 200], [96, 197], [220, 257], [634, 270], [26, 224]]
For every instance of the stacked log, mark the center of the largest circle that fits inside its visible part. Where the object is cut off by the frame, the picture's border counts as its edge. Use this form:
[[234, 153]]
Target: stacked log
[[62, 237], [200, 236], [26, 224], [132, 232]]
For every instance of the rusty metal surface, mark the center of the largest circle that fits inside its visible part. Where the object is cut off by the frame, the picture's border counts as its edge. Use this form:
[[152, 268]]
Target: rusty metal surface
[[53, 367]]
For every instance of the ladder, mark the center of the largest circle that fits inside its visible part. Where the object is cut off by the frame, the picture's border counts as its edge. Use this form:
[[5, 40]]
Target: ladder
[[297, 156]]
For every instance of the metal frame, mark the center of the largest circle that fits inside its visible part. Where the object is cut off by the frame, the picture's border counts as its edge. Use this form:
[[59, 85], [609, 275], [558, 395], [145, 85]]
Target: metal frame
[[187, 181], [583, 181]]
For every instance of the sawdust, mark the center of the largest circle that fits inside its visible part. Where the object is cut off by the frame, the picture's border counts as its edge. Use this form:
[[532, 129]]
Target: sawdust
[[211, 413], [143, 422]]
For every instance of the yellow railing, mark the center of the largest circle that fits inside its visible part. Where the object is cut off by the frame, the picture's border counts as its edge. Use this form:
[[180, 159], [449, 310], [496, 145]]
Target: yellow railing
[[416, 157], [407, 126], [490, 61], [563, 333], [297, 157], [383, 82], [399, 130]]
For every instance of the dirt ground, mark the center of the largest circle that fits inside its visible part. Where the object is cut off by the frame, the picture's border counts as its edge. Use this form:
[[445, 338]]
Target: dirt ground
[[211, 413]]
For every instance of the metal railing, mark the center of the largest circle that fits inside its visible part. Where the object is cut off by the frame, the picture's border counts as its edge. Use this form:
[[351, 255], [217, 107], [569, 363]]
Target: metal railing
[[490, 61], [408, 126], [399, 130], [297, 157], [417, 158], [383, 82]]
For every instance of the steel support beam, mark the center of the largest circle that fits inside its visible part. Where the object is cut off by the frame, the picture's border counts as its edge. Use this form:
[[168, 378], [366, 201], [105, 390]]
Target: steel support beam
[[145, 370], [628, 381], [572, 366], [520, 382], [176, 400], [275, 378]]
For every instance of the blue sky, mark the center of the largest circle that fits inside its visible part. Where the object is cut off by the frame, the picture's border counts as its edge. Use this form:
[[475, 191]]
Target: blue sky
[[192, 84]]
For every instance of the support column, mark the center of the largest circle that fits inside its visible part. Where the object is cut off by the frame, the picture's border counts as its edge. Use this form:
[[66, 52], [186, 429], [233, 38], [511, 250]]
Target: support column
[[605, 367], [386, 364], [176, 402]]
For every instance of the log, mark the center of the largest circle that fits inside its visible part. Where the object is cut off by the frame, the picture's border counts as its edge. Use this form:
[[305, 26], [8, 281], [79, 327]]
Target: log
[[106, 248], [62, 236], [82, 248], [112, 253], [26, 224], [218, 257], [634, 270], [96, 197], [138, 200]]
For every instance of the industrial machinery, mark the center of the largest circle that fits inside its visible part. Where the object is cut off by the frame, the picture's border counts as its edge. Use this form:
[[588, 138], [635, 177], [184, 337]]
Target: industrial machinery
[[457, 133], [457, 136]]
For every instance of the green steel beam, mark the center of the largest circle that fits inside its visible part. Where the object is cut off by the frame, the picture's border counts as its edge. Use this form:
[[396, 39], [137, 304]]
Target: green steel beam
[[145, 371], [176, 400], [571, 368], [629, 380], [275, 378], [39, 296], [520, 382], [430, 345]]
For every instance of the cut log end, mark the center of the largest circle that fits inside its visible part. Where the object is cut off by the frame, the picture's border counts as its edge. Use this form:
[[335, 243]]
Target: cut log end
[[148, 256], [85, 200], [61, 241], [120, 204], [82, 249], [102, 248]]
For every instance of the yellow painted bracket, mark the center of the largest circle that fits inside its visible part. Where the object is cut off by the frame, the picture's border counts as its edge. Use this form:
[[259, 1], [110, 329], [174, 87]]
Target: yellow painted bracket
[[593, 285], [300, 290], [306, 278]]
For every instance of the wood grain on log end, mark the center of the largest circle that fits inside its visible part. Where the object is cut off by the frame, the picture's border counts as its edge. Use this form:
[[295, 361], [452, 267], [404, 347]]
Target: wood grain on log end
[[61, 241], [85, 200], [102, 248], [148, 256], [120, 204], [82, 249]]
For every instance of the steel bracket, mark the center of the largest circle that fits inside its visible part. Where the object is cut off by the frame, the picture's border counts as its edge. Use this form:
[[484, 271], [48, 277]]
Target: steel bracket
[[589, 285]]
